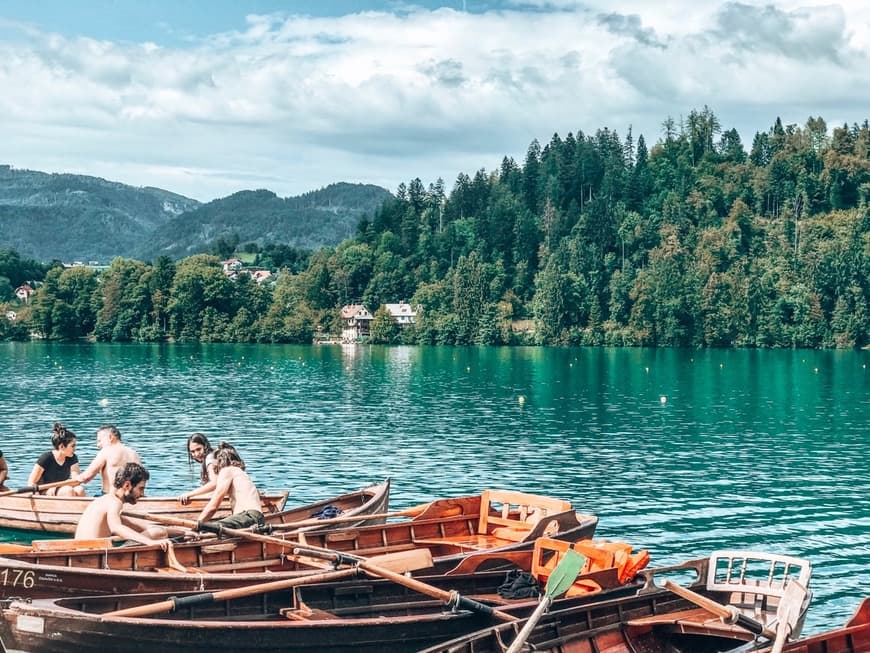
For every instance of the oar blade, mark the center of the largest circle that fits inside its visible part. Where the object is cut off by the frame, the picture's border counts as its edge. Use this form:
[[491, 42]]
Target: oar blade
[[564, 574]]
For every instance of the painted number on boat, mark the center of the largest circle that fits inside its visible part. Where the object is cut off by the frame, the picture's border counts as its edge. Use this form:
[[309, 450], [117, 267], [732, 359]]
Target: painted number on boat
[[18, 577]]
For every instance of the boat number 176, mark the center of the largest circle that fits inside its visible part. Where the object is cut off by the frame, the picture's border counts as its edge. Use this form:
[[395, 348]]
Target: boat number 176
[[16, 577]]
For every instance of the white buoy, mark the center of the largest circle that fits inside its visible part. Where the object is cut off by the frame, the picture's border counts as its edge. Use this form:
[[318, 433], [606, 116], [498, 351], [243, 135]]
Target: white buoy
[[104, 402], [521, 399], [663, 399]]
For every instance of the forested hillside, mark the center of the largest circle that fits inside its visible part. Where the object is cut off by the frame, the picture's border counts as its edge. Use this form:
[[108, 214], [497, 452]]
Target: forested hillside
[[68, 217], [593, 239]]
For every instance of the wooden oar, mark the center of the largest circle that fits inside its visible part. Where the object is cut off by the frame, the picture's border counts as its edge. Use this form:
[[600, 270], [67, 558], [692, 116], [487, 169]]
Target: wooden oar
[[343, 519], [370, 565], [787, 613], [39, 488], [338, 557], [176, 603], [400, 561], [727, 613], [560, 580]]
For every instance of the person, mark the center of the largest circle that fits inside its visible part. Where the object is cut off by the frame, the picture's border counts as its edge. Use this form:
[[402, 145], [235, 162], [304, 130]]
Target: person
[[4, 473], [58, 464], [103, 517], [233, 482], [112, 456], [199, 449]]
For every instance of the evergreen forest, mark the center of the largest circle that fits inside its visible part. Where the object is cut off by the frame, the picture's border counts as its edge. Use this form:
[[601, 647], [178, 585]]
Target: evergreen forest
[[592, 239]]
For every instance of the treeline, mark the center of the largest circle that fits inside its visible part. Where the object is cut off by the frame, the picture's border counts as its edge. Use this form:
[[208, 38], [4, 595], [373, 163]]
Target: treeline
[[592, 239]]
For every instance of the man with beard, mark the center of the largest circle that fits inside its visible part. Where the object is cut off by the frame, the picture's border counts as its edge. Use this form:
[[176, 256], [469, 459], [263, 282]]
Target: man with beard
[[103, 517]]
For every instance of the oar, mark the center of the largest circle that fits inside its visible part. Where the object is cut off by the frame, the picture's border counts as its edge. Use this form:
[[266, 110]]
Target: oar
[[788, 612], [451, 598], [398, 561], [39, 488], [308, 550], [175, 603], [342, 519], [728, 613], [560, 580]]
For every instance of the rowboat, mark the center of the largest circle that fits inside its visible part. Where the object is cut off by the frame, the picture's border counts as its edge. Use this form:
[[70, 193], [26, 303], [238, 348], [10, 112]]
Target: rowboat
[[68, 568], [53, 514], [495, 520], [765, 596], [361, 614]]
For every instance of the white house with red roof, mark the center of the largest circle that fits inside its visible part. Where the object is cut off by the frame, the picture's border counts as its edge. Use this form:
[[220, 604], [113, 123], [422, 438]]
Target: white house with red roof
[[24, 291], [356, 320]]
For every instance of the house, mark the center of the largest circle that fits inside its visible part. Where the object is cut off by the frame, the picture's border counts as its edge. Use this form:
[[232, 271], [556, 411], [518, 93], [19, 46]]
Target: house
[[402, 313], [11, 316], [23, 292], [260, 275], [356, 321], [231, 266]]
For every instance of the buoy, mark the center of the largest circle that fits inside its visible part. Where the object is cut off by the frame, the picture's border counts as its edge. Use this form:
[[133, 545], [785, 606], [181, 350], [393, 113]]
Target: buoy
[[647, 370], [521, 399], [663, 399], [104, 402]]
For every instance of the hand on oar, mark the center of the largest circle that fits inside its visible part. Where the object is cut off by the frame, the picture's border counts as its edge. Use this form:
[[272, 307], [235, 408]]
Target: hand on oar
[[729, 613], [558, 583], [39, 488]]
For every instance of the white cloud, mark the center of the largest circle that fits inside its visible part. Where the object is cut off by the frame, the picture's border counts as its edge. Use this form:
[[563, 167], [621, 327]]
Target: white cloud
[[295, 103]]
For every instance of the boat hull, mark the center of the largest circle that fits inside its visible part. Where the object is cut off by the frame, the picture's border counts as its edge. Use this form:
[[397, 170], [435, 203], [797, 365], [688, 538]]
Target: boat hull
[[50, 514]]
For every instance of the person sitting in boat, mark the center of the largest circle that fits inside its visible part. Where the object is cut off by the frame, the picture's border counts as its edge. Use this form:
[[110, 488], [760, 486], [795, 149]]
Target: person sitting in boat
[[232, 482], [59, 464], [112, 456], [103, 517], [199, 449], [4, 473]]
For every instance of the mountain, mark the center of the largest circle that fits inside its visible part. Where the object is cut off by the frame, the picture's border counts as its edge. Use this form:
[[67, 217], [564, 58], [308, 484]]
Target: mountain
[[316, 219], [76, 217]]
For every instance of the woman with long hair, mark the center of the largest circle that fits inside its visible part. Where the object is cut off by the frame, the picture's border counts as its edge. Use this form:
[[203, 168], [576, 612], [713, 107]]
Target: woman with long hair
[[59, 464], [199, 449]]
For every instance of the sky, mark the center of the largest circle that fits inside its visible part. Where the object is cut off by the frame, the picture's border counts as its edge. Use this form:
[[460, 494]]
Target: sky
[[206, 98]]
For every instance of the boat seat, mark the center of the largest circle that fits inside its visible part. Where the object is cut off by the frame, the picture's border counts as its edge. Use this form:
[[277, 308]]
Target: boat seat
[[506, 517], [306, 614], [693, 621], [64, 545]]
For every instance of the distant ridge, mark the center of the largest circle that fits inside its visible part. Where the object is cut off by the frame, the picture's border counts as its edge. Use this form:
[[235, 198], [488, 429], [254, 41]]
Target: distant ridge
[[313, 220], [78, 217]]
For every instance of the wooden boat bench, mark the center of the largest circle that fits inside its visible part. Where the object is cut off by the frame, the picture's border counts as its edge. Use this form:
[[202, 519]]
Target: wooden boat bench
[[753, 582], [512, 523]]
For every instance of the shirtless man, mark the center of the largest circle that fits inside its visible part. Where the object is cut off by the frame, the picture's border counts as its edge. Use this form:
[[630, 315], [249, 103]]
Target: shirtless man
[[232, 481], [112, 456], [102, 518]]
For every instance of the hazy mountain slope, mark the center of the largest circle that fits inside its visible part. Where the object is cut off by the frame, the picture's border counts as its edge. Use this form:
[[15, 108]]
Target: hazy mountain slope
[[313, 220], [76, 217]]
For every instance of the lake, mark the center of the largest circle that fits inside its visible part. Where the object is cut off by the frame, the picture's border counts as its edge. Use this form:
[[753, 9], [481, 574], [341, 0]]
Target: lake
[[677, 451]]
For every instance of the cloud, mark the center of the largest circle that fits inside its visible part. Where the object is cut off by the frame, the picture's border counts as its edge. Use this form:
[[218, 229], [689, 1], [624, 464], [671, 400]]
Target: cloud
[[292, 103]]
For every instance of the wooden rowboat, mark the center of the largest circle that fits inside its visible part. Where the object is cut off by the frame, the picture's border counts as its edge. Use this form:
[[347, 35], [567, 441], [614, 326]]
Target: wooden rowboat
[[67, 569], [52, 514], [97, 566], [362, 614], [754, 587]]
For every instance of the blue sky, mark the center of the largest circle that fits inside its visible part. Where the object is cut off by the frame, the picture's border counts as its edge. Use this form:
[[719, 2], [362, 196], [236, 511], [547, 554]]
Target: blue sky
[[207, 98]]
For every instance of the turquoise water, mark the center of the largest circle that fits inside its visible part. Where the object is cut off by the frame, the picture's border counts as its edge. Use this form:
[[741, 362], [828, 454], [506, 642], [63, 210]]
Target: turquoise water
[[677, 451]]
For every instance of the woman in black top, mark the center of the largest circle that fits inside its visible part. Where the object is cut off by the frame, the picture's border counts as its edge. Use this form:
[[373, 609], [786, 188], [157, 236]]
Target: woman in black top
[[59, 464]]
